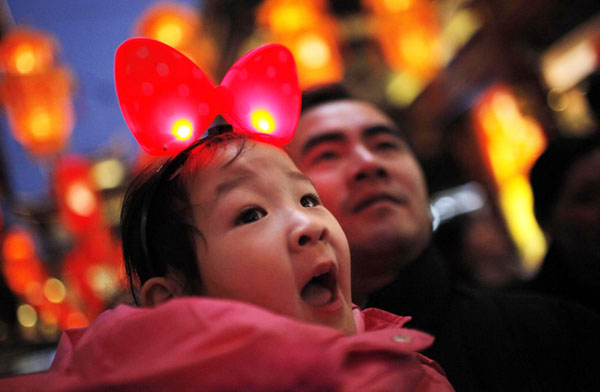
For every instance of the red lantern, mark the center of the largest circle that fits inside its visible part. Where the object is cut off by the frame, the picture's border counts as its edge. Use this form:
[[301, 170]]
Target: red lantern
[[78, 200], [93, 271]]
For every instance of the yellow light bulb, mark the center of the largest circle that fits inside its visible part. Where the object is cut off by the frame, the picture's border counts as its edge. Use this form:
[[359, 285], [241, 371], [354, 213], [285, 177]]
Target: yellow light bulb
[[182, 129], [263, 121]]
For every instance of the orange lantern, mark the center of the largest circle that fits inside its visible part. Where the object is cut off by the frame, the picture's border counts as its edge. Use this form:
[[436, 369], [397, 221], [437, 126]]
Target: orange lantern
[[25, 52], [511, 142], [79, 202], [35, 92], [310, 33], [39, 109], [289, 16], [409, 34], [180, 27], [21, 267]]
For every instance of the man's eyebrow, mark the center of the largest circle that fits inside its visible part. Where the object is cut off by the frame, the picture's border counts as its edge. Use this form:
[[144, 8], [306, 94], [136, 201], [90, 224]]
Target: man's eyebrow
[[333, 136], [382, 129]]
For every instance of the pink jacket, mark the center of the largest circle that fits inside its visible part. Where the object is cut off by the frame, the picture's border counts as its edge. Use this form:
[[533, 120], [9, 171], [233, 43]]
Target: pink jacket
[[201, 344]]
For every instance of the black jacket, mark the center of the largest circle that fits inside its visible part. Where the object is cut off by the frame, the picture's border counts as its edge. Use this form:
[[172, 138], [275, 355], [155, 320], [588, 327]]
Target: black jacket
[[490, 341]]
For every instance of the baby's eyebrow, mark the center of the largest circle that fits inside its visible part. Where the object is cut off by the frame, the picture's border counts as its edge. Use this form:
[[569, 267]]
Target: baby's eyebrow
[[299, 176], [228, 186]]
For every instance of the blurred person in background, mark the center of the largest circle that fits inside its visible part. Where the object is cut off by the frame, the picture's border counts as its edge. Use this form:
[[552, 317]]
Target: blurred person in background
[[368, 177], [566, 187]]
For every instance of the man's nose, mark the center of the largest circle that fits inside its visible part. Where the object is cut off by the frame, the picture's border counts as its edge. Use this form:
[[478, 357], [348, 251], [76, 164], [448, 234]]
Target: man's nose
[[306, 231], [366, 165]]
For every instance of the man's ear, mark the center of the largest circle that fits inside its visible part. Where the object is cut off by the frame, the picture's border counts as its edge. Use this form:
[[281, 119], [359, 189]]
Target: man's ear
[[160, 289]]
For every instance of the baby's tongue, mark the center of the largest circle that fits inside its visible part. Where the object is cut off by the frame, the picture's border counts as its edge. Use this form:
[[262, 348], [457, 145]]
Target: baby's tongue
[[316, 294]]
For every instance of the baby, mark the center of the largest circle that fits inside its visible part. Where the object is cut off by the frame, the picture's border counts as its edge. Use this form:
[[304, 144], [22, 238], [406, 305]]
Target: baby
[[234, 218], [244, 281]]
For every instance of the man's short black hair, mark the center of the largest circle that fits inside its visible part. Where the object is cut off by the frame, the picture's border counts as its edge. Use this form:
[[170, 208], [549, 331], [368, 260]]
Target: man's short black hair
[[550, 172], [316, 96], [326, 93]]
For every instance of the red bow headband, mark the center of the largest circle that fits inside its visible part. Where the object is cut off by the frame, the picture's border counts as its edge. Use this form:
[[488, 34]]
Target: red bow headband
[[168, 102]]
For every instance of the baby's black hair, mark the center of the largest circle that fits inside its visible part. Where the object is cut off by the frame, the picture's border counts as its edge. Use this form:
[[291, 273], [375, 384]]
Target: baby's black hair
[[157, 228]]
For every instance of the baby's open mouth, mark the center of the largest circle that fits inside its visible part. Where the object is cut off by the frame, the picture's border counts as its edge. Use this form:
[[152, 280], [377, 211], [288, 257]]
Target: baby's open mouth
[[321, 289]]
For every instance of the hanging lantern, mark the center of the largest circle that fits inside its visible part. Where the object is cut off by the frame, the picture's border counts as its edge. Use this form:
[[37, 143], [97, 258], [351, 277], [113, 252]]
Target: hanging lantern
[[39, 109], [289, 16], [79, 203], [26, 52], [409, 34], [511, 142], [310, 33], [180, 27], [35, 93], [21, 267], [93, 271]]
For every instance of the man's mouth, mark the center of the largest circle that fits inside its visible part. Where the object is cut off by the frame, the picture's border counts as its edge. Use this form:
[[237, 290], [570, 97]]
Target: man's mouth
[[321, 289], [372, 199]]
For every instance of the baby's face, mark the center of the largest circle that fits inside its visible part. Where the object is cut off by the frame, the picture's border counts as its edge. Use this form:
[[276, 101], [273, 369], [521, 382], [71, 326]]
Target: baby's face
[[267, 240]]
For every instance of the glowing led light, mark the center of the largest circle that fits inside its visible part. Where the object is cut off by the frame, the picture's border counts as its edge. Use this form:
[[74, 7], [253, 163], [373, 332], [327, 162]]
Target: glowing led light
[[263, 121], [54, 290], [182, 129], [25, 61], [26, 315], [80, 199]]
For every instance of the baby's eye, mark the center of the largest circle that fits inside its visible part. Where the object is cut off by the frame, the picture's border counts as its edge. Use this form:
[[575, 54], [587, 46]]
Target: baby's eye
[[310, 200], [250, 215]]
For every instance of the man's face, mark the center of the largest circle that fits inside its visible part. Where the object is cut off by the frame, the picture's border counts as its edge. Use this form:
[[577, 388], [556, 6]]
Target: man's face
[[366, 175], [267, 239]]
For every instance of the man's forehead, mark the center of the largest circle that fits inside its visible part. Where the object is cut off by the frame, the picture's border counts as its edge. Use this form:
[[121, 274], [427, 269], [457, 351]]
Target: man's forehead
[[339, 120], [342, 114]]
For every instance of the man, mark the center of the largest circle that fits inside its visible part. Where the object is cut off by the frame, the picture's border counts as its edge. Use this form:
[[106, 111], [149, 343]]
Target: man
[[566, 189], [368, 177]]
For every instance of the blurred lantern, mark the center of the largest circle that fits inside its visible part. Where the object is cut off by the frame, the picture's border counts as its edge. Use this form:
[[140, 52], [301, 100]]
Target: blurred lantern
[[409, 34], [26, 52], [93, 271], [78, 200], [21, 266], [310, 33], [35, 92], [511, 142], [180, 27]]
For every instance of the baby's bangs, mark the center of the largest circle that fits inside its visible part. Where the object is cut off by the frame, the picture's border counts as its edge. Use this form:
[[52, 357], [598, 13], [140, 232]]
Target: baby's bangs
[[214, 151]]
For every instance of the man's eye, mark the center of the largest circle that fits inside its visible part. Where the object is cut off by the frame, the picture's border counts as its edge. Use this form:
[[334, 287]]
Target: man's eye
[[326, 156], [310, 200], [387, 146], [250, 215]]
